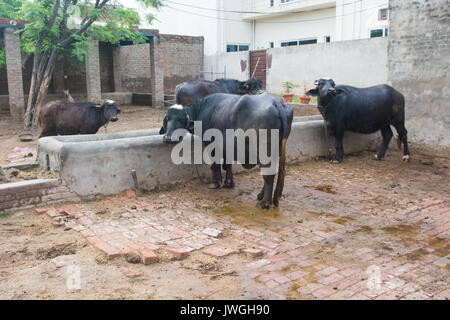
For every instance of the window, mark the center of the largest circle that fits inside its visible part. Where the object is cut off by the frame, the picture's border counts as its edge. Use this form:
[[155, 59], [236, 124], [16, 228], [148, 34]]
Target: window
[[271, 3], [298, 42], [237, 47], [375, 33], [271, 44], [327, 39], [307, 41], [383, 14], [289, 43], [285, 1]]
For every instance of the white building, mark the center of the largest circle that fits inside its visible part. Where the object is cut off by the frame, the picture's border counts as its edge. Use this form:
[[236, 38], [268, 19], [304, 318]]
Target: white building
[[238, 25]]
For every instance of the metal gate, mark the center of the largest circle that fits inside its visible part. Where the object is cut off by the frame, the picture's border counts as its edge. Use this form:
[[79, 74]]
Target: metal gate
[[258, 65]]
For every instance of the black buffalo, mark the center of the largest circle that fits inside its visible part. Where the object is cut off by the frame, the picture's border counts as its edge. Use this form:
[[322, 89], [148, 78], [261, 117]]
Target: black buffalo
[[191, 90], [66, 118], [363, 110], [227, 111]]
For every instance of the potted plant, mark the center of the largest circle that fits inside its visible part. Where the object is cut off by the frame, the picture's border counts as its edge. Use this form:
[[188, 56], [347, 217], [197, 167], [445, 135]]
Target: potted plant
[[304, 99], [288, 86]]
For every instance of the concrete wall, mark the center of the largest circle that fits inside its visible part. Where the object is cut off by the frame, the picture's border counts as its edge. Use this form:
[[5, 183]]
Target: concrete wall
[[235, 64], [95, 164], [419, 65], [360, 63]]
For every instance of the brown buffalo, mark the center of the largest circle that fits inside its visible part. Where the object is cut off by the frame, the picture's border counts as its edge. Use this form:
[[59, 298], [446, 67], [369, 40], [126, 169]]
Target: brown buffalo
[[66, 118]]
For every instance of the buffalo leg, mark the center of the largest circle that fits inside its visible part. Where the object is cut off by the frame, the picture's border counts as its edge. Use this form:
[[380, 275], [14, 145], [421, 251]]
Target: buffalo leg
[[339, 145], [260, 195], [216, 176], [268, 190], [386, 132], [403, 133], [229, 183]]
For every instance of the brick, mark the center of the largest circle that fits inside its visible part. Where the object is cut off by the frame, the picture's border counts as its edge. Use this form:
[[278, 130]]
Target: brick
[[148, 256], [212, 232], [131, 193], [41, 210], [253, 253], [110, 251], [179, 253], [219, 251]]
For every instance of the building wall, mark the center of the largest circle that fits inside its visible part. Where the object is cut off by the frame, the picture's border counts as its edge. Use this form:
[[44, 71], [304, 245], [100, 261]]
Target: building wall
[[355, 19], [134, 61], [279, 29], [419, 66], [183, 20], [235, 65], [183, 59], [360, 63]]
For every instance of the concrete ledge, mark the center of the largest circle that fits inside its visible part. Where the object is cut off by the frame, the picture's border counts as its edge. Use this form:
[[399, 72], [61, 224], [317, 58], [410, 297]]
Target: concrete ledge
[[94, 165]]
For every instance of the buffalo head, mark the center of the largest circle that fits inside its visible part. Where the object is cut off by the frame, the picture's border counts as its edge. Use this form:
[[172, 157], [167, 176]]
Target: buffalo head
[[325, 90], [110, 110], [251, 86], [176, 117]]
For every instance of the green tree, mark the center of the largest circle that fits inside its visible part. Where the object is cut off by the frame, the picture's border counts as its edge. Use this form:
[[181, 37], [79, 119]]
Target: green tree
[[53, 25]]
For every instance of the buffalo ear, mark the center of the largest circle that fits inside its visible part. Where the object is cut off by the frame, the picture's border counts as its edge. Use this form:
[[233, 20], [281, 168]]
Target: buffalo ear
[[313, 93], [162, 130], [340, 91], [118, 111]]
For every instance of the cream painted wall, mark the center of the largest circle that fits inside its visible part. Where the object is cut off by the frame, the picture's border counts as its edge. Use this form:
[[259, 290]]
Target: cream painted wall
[[267, 31]]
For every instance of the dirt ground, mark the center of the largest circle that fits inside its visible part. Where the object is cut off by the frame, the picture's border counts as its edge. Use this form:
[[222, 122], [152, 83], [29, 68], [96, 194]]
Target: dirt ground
[[131, 118], [362, 229]]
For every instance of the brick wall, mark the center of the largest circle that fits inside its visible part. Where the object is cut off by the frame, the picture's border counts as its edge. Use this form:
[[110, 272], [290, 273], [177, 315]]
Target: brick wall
[[27, 194], [419, 66], [134, 62], [182, 59]]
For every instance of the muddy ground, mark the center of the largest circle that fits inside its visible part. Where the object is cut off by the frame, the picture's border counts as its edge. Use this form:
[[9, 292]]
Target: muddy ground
[[335, 222], [361, 203]]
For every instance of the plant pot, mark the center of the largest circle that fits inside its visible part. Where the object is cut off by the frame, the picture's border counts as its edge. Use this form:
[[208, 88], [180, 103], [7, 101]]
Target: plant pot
[[305, 99], [287, 97]]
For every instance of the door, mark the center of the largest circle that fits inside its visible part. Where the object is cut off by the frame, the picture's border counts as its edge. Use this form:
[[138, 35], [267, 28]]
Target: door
[[258, 66]]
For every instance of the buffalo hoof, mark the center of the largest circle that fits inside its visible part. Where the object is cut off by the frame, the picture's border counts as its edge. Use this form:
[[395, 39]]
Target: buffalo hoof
[[214, 186], [228, 184], [335, 161], [266, 205], [376, 157], [260, 196], [406, 158]]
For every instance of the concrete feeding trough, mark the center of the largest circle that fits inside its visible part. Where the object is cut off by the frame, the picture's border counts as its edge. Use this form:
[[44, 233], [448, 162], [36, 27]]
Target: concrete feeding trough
[[104, 164]]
